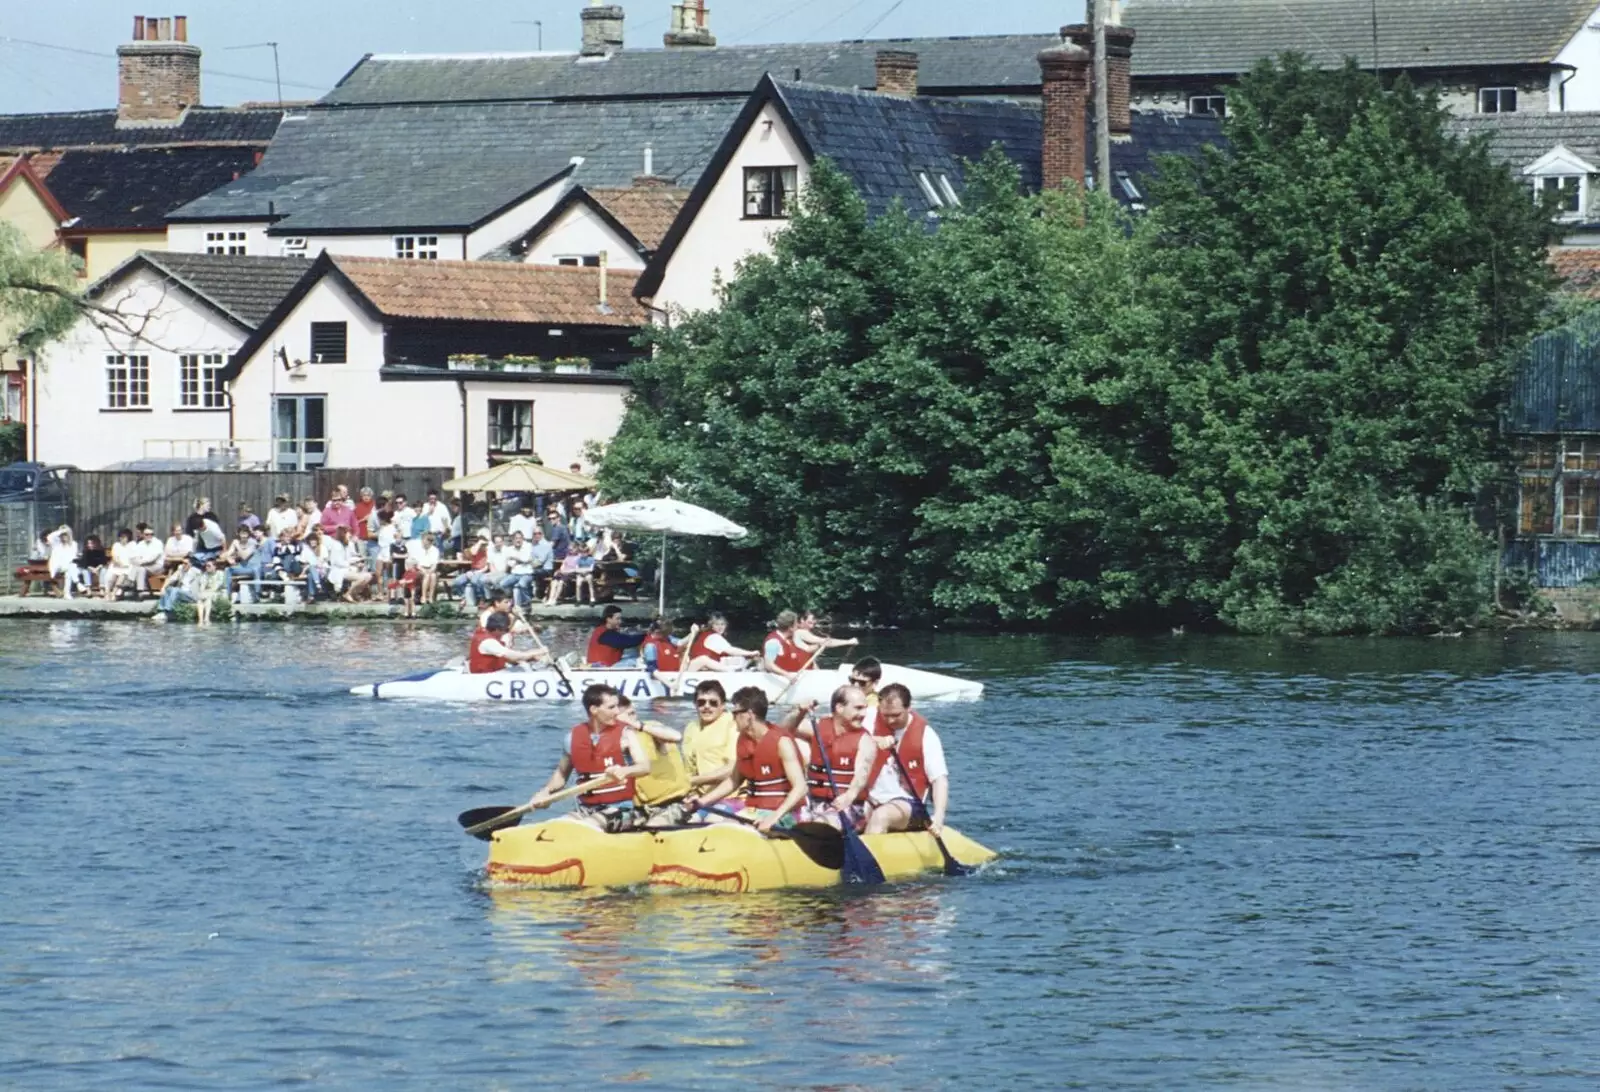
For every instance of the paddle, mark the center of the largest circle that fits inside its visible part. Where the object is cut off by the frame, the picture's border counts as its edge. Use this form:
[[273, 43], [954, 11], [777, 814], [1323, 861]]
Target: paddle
[[555, 663], [859, 865], [919, 810], [683, 660], [822, 842], [785, 691], [483, 822]]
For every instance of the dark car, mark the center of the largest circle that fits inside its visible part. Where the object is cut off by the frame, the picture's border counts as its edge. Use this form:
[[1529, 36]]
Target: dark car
[[24, 482]]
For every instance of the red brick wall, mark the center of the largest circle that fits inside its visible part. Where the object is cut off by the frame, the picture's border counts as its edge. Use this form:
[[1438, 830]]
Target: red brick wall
[[1065, 76], [1119, 69], [157, 80], [897, 72]]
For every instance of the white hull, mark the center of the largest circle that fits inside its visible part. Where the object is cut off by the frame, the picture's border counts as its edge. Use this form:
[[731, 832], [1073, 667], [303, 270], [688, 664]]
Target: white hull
[[544, 684]]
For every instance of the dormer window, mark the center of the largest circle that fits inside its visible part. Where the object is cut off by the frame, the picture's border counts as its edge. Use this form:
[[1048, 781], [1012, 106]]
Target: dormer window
[[1497, 100], [1562, 177], [1568, 190]]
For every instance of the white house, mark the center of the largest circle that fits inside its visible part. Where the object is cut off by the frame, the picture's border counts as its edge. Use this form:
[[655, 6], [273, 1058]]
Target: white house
[[137, 382], [626, 224], [371, 362]]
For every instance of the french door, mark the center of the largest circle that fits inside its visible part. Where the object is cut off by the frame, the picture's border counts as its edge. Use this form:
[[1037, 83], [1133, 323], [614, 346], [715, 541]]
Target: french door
[[300, 431]]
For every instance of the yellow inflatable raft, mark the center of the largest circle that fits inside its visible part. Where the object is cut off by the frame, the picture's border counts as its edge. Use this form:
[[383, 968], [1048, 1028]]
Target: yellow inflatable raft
[[719, 857]]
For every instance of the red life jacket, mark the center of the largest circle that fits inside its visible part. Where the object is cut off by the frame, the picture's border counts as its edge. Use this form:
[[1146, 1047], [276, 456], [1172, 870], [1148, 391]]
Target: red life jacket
[[604, 655], [668, 658], [592, 757], [480, 662], [698, 648], [792, 657], [840, 748], [910, 750], [761, 765]]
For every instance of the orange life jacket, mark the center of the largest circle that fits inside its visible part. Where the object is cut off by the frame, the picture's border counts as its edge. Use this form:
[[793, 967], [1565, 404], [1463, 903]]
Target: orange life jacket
[[698, 648], [792, 657], [840, 748], [604, 655], [593, 756], [668, 658], [480, 662], [760, 763], [910, 750]]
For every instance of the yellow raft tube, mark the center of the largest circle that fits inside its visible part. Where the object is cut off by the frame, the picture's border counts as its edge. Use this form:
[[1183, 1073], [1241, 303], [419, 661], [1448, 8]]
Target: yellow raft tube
[[718, 857]]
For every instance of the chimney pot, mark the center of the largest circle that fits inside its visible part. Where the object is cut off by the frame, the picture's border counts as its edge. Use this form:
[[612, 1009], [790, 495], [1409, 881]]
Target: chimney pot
[[1119, 70], [180, 28], [1064, 72], [896, 72], [691, 26], [158, 76], [138, 28], [165, 33], [602, 30]]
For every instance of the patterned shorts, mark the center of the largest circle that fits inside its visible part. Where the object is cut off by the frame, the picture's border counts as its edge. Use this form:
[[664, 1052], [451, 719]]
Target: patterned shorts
[[743, 808], [613, 818], [820, 811]]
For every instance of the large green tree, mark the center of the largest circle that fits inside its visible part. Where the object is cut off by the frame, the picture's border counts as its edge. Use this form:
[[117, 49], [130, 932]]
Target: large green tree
[[38, 293]]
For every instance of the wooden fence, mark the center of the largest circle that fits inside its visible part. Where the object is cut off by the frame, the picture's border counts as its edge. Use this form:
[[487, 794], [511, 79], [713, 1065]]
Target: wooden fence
[[104, 501]]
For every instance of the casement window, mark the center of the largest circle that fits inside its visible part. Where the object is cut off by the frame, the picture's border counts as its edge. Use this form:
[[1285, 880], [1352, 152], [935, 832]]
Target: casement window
[[421, 248], [1208, 106], [1568, 190], [937, 189], [590, 261], [769, 192], [1497, 100], [199, 382], [127, 382], [510, 427], [226, 242], [1560, 486], [329, 342]]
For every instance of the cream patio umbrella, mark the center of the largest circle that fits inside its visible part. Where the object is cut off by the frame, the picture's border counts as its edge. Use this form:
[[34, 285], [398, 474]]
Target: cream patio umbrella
[[664, 517], [519, 476]]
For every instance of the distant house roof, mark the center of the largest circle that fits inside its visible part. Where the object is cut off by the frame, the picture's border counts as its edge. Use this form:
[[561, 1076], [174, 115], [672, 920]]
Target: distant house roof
[[994, 63], [135, 188], [639, 215], [884, 142], [456, 166], [98, 129], [15, 170], [1197, 37], [1520, 139], [393, 289], [1579, 269], [242, 288]]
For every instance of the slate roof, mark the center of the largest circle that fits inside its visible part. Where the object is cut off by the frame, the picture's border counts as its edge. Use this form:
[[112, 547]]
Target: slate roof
[[1519, 139], [1194, 37], [135, 188], [455, 166], [993, 63], [244, 288], [98, 129], [493, 292]]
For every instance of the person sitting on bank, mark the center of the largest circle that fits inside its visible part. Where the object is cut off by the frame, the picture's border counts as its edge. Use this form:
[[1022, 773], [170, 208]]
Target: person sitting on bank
[[807, 637], [769, 767], [183, 586], [910, 769], [281, 517], [146, 556], [467, 585], [712, 651], [121, 570], [490, 649], [177, 547], [61, 559], [658, 796], [566, 574], [607, 756], [609, 644], [780, 655], [843, 756], [347, 565], [209, 586], [92, 562]]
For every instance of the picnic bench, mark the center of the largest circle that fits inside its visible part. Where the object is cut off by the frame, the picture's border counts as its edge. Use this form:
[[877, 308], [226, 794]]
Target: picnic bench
[[35, 572], [614, 577]]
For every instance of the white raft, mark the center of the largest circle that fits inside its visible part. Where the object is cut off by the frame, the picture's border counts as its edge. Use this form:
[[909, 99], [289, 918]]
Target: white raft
[[545, 684]]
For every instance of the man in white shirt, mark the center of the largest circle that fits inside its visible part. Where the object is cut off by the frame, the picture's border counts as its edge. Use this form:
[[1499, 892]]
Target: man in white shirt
[[345, 565], [438, 516], [281, 517], [146, 556], [524, 522], [519, 565], [916, 758], [404, 517]]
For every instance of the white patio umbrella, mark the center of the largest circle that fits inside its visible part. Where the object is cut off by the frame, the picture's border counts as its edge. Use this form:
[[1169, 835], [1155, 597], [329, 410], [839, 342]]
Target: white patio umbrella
[[664, 517]]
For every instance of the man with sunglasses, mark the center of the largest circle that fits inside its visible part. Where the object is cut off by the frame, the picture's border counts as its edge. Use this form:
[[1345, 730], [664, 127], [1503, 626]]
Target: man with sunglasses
[[769, 767], [711, 739]]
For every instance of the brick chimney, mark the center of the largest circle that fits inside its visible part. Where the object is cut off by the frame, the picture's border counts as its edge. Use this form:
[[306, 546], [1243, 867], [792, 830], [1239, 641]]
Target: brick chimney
[[897, 72], [602, 29], [1119, 70], [158, 73], [1064, 72], [691, 26]]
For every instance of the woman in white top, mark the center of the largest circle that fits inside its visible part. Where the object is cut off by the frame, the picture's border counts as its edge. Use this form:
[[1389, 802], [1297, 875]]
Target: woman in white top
[[721, 655], [122, 569], [178, 546], [314, 560], [63, 558]]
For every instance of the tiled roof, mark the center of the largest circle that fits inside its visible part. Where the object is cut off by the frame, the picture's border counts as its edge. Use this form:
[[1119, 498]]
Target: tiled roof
[[647, 211], [136, 188], [244, 287], [493, 292], [1579, 269], [995, 63], [98, 129], [1519, 139], [457, 165], [1191, 37]]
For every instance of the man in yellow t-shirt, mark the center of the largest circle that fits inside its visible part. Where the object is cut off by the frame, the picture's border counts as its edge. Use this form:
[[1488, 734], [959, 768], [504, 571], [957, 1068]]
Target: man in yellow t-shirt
[[711, 740], [656, 793]]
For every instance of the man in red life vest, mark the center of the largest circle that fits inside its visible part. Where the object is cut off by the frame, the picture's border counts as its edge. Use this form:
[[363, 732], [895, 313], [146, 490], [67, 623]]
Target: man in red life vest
[[609, 646], [660, 650], [779, 653], [910, 766], [843, 755], [769, 767], [607, 754], [491, 649]]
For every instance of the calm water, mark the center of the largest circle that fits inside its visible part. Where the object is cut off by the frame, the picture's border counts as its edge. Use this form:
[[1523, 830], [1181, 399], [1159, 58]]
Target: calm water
[[1230, 864]]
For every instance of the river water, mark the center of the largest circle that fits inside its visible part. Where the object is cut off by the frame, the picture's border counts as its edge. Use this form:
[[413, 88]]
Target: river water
[[1227, 864]]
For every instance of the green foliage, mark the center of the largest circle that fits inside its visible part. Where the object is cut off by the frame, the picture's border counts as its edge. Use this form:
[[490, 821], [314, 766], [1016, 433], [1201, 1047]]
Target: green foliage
[[1271, 403], [13, 442], [38, 292]]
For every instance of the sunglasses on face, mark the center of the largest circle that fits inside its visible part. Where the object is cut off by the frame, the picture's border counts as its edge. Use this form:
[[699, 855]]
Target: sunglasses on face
[[708, 703]]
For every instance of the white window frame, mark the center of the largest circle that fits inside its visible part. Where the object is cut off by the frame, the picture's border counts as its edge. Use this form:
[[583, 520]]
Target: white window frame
[[1575, 185], [1208, 106], [199, 381], [948, 190], [1497, 95], [127, 381], [930, 192], [417, 248], [295, 244], [586, 261]]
